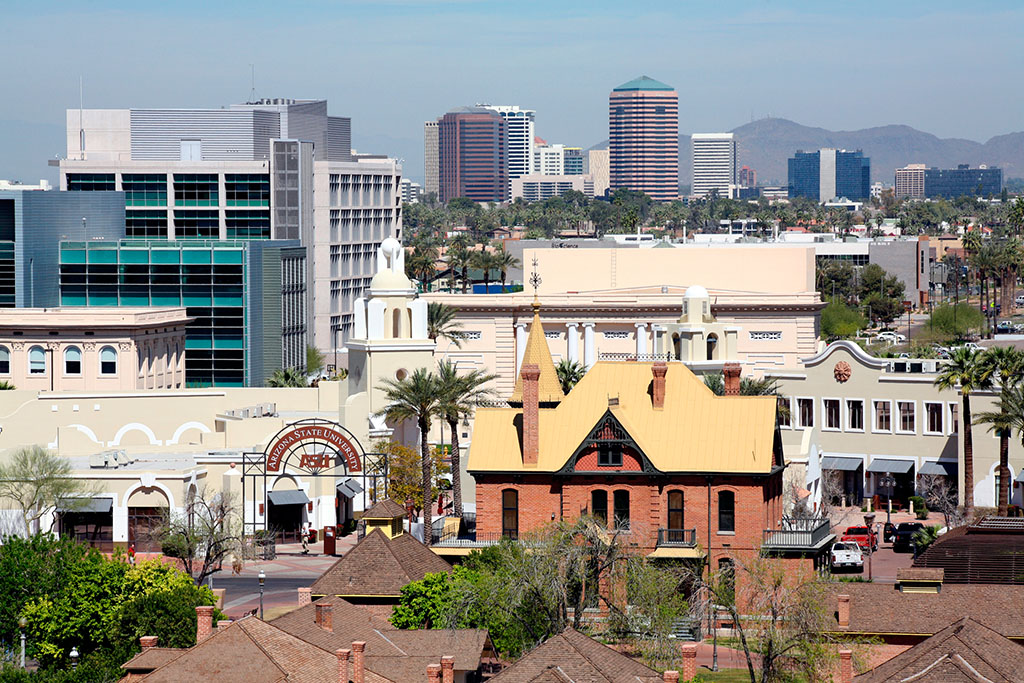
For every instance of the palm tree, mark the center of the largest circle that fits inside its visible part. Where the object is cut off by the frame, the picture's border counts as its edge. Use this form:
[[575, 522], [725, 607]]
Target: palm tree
[[289, 377], [441, 323], [1008, 364], [569, 372], [457, 395], [416, 398], [966, 370], [486, 262], [504, 261]]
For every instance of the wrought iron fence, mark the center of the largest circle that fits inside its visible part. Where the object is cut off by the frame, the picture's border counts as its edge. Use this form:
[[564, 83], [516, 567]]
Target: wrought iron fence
[[684, 538], [801, 532]]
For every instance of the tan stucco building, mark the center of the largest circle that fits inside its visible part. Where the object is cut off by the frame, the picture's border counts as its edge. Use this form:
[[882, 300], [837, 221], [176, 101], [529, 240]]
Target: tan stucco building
[[95, 349]]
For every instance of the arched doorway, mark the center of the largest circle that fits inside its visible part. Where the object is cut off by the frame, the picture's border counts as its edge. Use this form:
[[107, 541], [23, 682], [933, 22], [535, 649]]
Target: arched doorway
[[148, 513], [287, 510]]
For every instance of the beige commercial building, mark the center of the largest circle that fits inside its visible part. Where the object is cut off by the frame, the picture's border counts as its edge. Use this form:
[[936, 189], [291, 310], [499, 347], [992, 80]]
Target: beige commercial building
[[597, 167], [910, 181], [96, 349]]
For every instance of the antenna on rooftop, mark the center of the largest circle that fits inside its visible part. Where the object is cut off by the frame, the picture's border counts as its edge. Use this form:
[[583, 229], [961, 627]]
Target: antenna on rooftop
[[252, 75], [81, 127]]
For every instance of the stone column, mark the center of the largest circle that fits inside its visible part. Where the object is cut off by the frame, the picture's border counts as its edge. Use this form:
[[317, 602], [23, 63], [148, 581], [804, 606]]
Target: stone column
[[641, 339], [589, 352], [573, 337], [520, 345]]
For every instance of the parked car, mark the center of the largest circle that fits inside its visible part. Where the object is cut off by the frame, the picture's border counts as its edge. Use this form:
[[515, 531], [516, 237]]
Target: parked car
[[1019, 300], [971, 345], [847, 555], [891, 337], [1005, 327], [862, 536], [904, 541]]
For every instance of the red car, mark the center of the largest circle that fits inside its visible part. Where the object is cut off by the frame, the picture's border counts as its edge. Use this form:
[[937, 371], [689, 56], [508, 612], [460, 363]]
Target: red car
[[862, 536]]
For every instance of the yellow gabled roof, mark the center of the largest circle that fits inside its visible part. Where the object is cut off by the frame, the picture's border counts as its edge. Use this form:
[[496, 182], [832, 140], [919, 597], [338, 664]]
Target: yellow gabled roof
[[696, 431], [537, 352]]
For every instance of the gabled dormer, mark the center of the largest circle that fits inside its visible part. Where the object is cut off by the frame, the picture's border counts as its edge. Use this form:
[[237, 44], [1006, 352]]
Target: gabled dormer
[[608, 449]]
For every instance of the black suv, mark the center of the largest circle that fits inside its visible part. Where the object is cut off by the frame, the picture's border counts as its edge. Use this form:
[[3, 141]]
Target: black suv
[[904, 541]]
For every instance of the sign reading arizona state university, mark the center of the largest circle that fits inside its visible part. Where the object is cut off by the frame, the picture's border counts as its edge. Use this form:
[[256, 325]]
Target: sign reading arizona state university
[[338, 445]]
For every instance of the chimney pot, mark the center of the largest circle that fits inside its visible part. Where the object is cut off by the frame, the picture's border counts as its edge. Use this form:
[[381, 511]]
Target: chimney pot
[[433, 673], [358, 662], [447, 669], [845, 666], [670, 677], [731, 376], [305, 596], [530, 375], [148, 641], [342, 655], [689, 662], [204, 622], [843, 611], [659, 370], [223, 624]]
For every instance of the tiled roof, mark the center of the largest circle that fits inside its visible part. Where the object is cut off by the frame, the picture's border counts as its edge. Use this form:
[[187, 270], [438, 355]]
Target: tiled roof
[[151, 658], [549, 389], [385, 509], [963, 651], [577, 658], [379, 566], [882, 609], [977, 555], [696, 431]]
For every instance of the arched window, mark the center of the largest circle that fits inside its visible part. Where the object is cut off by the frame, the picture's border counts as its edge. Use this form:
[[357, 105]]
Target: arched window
[[36, 361], [396, 330], [675, 511], [677, 346], [108, 361], [72, 361], [599, 506], [5, 361], [621, 502], [712, 346], [510, 513], [726, 512]]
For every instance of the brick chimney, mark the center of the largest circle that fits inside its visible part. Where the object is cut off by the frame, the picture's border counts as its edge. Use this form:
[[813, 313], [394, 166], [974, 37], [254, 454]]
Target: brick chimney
[[433, 673], [204, 622], [689, 662], [843, 611], [305, 596], [148, 641], [670, 677], [342, 656], [531, 413], [447, 669], [659, 370], [223, 624], [845, 666], [358, 662], [731, 373], [324, 617]]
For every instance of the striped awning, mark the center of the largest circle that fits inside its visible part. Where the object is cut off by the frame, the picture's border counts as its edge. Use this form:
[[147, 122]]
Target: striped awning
[[833, 462], [942, 469], [890, 466], [288, 497]]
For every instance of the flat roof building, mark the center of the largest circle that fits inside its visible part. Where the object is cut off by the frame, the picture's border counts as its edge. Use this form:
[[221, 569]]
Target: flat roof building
[[715, 159], [538, 187], [830, 173], [962, 181], [430, 158], [472, 155], [519, 134], [643, 133]]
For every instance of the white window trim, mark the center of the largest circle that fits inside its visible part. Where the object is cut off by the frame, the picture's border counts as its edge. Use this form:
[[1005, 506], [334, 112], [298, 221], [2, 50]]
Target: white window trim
[[863, 415], [64, 362], [824, 415], [789, 402], [874, 416], [898, 422], [814, 418], [952, 422], [943, 414], [117, 361]]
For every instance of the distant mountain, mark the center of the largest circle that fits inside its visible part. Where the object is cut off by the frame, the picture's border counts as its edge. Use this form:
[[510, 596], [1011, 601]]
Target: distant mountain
[[766, 144]]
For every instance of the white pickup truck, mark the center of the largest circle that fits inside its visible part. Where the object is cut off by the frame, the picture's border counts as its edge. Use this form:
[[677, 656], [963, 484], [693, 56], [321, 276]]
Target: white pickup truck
[[847, 555]]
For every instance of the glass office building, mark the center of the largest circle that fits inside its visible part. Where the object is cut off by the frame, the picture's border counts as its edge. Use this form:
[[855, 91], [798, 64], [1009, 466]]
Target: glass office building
[[830, 174], [247, 298], [962, 181]]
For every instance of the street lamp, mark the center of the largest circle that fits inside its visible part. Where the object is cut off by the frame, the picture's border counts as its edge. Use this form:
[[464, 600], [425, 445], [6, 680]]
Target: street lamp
[[887, 483], [74, 657], [22, 623], [262, 576]]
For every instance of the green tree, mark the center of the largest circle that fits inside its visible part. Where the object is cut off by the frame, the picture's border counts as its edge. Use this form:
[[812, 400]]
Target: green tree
[[569, 372], [486, 262], [405, 473], [37, 481], [839, 321], [314, 361], [955, 321], [441, 323], [416, 398], [1007, 364], [835, 280], [458, 395], [207, 532], [882, 309], [874, 280], [965, 371], [504, 261], [288, 377]]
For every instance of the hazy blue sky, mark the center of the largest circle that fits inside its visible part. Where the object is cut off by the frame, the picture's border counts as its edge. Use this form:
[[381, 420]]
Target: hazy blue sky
[[950, 68]]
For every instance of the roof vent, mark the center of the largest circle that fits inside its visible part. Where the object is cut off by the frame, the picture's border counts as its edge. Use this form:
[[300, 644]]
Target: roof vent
[[613, 401]]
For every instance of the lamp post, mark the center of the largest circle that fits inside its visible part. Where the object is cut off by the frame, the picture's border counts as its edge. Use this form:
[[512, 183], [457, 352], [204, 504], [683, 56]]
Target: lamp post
[[262, 576], [74, 657], [887, 483], [22, 623]]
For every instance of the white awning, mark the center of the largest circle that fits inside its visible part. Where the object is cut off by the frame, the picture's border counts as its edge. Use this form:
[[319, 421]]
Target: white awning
[[890, 466], [288, 497], [832, 462]]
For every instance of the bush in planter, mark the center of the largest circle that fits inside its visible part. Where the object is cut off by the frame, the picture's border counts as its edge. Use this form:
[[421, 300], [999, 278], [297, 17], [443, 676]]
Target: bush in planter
[[920, 509]]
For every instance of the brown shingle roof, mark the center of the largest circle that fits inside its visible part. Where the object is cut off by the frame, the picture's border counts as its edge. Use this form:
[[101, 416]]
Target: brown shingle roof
[[963, 651], [882, 609], [385, 509], [379, 566], [977, 555], [151, 658], [578, 658]]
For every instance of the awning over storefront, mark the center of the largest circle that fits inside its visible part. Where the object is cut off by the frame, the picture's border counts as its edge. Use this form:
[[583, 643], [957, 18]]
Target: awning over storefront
[[1020, 477], [832, 462], [288, 497], [888, 465], [349, 488], [87, 505], [942, 469]]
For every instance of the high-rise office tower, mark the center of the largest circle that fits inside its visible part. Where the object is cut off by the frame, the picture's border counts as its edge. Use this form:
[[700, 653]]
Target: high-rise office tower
[[430, 158], [748, 177], [597, 167], [519, 125], [643, 132], [714, 163], [472, 155], [910, 181], [572, 161], [830, 174]]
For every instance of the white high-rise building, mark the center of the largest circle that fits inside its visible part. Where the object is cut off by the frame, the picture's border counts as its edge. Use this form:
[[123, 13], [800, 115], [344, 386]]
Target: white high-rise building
[[519, 128], [715, 163], [549, 160]]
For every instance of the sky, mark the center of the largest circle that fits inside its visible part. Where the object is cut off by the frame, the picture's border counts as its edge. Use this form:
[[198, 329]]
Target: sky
[[948, 68]]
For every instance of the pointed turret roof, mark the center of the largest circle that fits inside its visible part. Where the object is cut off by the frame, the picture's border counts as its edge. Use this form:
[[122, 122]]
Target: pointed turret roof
[[537, 353], [643, 83]]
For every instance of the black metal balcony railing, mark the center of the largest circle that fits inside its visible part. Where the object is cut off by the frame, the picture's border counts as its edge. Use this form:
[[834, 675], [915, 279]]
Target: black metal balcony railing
[[797, 532], [679, 538]]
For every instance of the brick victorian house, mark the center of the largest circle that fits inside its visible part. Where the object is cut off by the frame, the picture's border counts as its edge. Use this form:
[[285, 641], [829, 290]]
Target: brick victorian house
[[647, 448]]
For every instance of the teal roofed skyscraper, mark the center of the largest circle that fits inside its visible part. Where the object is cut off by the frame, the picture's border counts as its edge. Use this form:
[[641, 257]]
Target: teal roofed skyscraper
[[643, 83]]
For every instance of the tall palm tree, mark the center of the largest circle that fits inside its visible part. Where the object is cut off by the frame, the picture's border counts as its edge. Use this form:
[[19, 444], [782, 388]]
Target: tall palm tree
[[504, 261], [457, 396], [485, 262], [569, 373], [441, 323], [966, 370], [1006, 363], [416, 398]]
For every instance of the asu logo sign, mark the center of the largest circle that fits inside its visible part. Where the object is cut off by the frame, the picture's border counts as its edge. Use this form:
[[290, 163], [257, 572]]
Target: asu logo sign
[[317, 445]]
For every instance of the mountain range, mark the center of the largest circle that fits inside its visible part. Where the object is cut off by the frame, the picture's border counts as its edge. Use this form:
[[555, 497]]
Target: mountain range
[[766, 144]]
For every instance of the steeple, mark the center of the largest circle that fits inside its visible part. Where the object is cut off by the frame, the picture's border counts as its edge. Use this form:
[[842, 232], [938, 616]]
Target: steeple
[[537, 353]]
